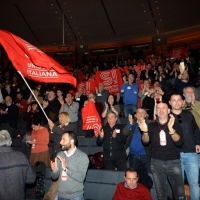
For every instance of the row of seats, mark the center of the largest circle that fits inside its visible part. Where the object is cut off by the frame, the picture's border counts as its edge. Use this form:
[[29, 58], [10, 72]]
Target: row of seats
[[101, 184], [87, 145]]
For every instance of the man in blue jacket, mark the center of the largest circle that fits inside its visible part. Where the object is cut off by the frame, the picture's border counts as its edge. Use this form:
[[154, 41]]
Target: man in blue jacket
[[130, 97]]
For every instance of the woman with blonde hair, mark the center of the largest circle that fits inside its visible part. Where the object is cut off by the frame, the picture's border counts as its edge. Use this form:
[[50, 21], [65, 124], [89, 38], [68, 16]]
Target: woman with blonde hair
[[57, 131]]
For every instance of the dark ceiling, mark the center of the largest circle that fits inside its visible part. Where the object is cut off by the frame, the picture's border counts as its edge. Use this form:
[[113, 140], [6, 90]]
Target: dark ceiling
[[40, 22]]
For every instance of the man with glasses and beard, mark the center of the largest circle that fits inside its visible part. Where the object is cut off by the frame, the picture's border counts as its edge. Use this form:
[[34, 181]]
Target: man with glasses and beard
[[191, 145], [70, 168]]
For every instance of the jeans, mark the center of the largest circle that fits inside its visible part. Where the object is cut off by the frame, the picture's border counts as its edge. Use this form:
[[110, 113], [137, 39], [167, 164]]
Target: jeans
[[190, 165], [171, 169], [139, 162], [129, 109], [76, 198]]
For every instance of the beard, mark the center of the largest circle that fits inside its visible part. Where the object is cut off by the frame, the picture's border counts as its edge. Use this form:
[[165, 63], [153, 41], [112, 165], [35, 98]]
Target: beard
[[66, 147]]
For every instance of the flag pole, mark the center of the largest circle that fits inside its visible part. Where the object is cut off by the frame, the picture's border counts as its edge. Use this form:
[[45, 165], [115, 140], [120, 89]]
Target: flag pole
[[33, 95]]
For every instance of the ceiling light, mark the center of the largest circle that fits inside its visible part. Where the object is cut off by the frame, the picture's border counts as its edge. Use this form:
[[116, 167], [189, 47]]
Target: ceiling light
[[56, 12], [144, 10], [68, 11], [51, 4], [157, 7], [160, 20], [80, 37], [71, 17], [148, 22]]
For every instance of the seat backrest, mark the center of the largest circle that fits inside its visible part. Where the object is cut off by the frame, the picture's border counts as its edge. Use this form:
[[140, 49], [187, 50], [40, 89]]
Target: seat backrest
[[102, 183]]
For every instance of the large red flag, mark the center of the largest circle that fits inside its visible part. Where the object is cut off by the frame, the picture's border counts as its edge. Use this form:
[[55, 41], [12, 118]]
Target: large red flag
[[32, 62], [90, 118], [112, 80]]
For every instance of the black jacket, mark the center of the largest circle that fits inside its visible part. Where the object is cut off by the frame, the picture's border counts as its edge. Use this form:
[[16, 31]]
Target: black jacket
[[11, 116], [113, 148], [130, 134], [191, 131], [56, 137]]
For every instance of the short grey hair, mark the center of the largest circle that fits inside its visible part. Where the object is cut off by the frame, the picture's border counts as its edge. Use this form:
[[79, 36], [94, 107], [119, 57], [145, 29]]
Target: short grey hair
[[5, 138], [188, 87]]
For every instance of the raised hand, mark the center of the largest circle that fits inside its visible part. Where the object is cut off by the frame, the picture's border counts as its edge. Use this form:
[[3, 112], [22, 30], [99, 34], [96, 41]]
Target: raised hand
[[130, 119], [171, 123], [54, 166], [142, 125], [101, 134], [63, 162]]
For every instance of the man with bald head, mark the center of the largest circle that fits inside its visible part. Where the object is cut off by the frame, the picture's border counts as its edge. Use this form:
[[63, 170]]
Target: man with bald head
[[8, 116]]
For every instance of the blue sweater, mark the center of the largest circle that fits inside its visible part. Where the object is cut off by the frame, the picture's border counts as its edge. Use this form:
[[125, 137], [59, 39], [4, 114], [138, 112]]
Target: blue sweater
[[130, 93]]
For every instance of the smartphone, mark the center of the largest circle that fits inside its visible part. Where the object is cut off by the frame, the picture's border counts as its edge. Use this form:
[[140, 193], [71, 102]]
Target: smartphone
[[182, 64]]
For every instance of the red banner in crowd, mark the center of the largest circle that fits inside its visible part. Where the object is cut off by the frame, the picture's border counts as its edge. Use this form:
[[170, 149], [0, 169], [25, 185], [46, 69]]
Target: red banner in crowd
[[32, 62], [179, 53], [138, 69], [112, 80], [90, 118], [87, 86]]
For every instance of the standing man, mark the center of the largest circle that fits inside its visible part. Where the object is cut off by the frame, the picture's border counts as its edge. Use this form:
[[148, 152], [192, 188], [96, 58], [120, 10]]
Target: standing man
[[8, 116], [71, 108], [166, 136], [101, 95], [130, 96], [51, 107], [15, 170], [131, 189], [70, 167], [113, 140], [191, 145], [139, 155]]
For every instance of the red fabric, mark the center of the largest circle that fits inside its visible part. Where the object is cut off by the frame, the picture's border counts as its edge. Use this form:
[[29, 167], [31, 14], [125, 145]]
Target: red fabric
[[179, 53], [125, 69], [111, 79], [90, 118], [80, 76], [139, 193], [88, 86], [22, 102], [32, 62], [138, 69], [42, 140]]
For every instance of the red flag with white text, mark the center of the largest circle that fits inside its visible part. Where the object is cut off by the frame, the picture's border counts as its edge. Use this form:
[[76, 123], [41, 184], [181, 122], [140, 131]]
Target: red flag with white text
[[32, 62], [90, 118], [112, 80], [87, 86]]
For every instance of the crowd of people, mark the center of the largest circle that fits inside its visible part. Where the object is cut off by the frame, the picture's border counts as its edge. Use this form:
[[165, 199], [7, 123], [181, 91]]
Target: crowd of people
[[160, 99]]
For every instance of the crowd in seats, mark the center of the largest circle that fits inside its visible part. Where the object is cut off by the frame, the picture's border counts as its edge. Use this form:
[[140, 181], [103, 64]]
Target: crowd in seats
[[160, 76]]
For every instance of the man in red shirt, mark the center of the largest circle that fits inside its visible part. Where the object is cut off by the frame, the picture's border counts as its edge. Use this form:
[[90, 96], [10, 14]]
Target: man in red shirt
[[131, 189]]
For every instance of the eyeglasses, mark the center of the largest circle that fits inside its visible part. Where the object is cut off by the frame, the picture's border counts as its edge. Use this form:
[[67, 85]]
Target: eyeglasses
[[179, 119]]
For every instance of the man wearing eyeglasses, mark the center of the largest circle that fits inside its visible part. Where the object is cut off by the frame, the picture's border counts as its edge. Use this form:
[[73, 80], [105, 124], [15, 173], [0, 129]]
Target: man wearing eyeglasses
[[191, 145], [131, 189]]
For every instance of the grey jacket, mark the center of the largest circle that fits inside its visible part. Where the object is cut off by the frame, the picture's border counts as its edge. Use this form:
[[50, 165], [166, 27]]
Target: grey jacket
[[77, 167], [15, 172]]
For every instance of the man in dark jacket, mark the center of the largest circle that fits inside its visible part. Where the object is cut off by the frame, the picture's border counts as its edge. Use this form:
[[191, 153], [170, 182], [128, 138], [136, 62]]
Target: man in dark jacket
[[139, 155], [113, 140], [8, 116], [191, 146], [15, 170], [51, 107]]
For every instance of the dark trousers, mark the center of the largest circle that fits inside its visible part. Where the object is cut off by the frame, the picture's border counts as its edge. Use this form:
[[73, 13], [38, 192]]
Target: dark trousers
[[120, 165], [139, 162], [171, 169]]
